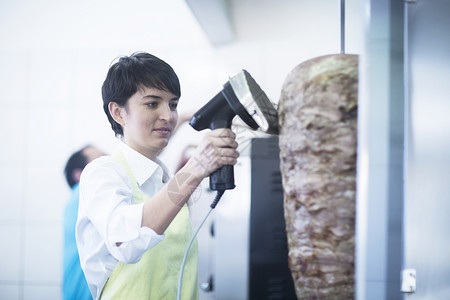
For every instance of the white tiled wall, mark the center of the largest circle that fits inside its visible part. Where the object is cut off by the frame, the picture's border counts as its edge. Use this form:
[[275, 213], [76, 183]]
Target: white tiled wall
[[42, 254], [11, 187], [11, 255], [50, 99], [11, 291]]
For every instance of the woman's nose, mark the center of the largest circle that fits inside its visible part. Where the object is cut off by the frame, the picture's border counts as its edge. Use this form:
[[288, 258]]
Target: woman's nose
[[165, 112]]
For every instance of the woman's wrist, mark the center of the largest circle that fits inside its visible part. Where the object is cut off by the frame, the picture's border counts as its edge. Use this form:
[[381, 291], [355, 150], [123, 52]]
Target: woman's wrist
[[194, 170]]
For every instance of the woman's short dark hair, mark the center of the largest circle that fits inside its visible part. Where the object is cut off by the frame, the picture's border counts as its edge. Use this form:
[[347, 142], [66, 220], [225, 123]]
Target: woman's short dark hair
[[132, 72]]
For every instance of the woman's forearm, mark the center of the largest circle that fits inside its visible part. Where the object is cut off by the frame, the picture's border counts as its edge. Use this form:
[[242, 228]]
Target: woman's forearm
[[161, 209]]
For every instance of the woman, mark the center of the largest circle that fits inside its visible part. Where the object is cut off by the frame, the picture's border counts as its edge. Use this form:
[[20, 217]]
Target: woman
[[133, 225]]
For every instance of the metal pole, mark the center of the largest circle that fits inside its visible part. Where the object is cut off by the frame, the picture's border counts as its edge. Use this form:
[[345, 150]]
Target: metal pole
[[342, 7]]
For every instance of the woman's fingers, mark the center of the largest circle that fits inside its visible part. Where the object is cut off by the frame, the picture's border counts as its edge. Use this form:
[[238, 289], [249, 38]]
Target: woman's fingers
[[218, 148], [224, 142], [222, 137], [227, 153], [222, 132]]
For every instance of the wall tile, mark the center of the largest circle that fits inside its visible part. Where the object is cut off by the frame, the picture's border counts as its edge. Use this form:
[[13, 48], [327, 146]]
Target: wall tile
[[14, 78], [54, 89], [92, 126], [43, 254], [12, 135], [90, 72], [11, 255], [10, 291], [13, 191], [42, 292], [47, 136], [45, 196]]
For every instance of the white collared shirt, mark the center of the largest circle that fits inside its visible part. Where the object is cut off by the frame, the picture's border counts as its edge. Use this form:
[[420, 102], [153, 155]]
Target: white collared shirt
[[107, 214]]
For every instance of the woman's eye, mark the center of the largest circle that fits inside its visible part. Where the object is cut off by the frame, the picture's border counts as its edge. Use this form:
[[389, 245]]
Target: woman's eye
[[173, 106], [152, 104]]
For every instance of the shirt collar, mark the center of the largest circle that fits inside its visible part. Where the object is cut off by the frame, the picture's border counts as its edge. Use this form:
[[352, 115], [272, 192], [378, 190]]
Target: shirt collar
[[142, 167]]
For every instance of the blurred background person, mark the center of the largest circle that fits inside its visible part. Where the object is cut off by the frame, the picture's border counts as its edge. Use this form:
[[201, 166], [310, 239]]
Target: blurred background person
[[74, 283]]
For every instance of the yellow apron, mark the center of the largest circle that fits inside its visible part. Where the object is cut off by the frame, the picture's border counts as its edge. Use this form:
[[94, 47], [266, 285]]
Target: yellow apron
[[155, 276]]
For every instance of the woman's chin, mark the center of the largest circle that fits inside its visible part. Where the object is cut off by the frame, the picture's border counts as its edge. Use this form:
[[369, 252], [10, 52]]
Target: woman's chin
[[162, 143]]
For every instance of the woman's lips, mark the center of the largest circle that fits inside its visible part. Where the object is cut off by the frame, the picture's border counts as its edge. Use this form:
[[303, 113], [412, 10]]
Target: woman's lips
[[162, 130]]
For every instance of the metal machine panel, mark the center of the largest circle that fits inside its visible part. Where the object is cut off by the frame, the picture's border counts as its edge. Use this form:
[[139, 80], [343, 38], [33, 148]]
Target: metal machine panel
[[231, 232], [270, 277], [427, 164], [249, 245]]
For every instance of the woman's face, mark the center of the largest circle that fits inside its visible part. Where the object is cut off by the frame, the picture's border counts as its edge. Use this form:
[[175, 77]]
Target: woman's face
[[149, 118]]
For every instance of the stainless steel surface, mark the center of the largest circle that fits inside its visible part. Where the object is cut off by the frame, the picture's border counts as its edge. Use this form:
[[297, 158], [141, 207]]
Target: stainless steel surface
[[255, 101], [342, 20], [198, 208], [427, 164], [231, 245], [380, 153]]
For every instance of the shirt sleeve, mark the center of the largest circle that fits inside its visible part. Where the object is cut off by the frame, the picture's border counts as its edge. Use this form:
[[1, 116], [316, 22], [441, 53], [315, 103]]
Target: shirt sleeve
[[106, 194]]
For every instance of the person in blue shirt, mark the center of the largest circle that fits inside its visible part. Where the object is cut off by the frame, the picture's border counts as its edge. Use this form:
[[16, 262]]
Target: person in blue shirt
[[74, 282]]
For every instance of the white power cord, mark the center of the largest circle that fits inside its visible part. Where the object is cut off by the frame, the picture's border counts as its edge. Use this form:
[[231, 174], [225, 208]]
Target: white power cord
[[213, 205], [186, 254]]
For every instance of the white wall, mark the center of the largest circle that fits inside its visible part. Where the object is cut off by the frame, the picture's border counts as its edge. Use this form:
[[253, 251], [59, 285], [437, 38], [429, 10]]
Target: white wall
[[54, 56]]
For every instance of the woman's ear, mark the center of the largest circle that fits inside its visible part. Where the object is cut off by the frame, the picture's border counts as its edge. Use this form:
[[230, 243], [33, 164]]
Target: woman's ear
[[116, 112]]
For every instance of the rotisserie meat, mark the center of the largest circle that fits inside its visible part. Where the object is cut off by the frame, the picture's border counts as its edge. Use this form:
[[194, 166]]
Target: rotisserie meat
[[317, 119]]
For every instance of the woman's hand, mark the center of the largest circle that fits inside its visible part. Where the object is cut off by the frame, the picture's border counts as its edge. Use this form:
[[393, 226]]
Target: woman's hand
[[217, 149]]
